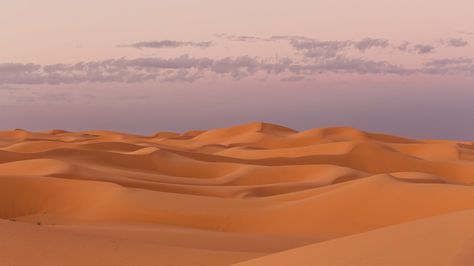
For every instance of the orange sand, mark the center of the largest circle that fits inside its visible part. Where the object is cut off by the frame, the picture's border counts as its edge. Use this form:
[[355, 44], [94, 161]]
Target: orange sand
[[254, 194]]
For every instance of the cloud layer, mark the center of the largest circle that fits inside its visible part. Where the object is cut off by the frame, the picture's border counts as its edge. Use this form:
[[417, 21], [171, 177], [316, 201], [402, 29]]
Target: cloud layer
[[312, 57], [189, 69]]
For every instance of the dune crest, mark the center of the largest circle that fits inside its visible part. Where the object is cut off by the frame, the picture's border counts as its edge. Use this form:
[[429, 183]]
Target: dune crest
[[256, 194]]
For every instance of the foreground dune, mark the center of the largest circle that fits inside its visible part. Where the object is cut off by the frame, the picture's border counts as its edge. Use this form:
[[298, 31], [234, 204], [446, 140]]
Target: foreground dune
[[444, 240], [255, 194]]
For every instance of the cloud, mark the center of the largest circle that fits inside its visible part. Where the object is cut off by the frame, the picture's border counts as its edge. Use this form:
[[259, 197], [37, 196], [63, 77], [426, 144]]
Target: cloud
[[450, 66], [423, 48], [455, 42], [368, 43], [415, 48], [319, 49], [343, 64], [168, 44], [404, 47], [238, 38], [6, 68], [288, 38], [449, 61]]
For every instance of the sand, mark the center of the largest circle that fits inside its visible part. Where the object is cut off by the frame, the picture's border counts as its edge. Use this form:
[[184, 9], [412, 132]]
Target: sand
[[253, 194]]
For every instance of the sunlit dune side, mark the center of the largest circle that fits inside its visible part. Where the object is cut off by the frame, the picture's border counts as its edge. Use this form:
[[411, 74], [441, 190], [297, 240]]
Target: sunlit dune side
[[256, 194], [437, 241]]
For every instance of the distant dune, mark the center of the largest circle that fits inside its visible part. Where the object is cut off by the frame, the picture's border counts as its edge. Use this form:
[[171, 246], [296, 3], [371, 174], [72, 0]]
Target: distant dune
[[253, 194]]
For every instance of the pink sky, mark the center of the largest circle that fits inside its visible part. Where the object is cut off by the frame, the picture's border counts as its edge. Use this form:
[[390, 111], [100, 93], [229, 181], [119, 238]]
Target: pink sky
[[200, 53]]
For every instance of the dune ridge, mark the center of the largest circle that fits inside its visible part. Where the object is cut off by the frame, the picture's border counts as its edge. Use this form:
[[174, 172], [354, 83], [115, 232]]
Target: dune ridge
[[243, 194]]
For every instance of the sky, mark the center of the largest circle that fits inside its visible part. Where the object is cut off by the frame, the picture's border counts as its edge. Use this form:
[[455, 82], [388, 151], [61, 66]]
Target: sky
[[403, 67]]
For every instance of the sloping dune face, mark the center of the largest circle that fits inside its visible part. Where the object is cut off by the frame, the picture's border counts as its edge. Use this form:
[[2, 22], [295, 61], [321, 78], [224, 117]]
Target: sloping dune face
[[256, 194]]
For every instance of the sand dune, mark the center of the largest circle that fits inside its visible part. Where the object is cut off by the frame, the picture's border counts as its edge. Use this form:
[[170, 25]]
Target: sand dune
[[251, 194]]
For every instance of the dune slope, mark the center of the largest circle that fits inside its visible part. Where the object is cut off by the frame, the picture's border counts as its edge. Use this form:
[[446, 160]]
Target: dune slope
[[437, 241]]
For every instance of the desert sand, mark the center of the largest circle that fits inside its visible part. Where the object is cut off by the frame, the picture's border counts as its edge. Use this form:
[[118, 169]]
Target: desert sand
[[253, 194]]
